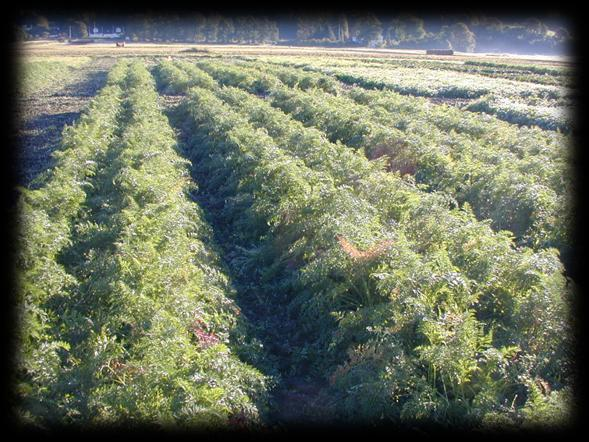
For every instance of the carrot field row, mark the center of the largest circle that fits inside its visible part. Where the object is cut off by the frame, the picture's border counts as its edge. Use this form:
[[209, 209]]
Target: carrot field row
[[519, 178], [127, 313], [406, 306], [528, 99]]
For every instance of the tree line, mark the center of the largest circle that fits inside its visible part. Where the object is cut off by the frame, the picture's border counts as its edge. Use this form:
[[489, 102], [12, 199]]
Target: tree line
[[463, 33]]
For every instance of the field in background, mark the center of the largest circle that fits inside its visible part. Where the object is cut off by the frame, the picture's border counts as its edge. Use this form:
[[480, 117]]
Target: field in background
[[64, 49]]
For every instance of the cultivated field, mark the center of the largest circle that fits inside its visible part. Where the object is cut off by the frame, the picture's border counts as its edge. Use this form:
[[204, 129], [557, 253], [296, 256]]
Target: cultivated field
[[233, 236]]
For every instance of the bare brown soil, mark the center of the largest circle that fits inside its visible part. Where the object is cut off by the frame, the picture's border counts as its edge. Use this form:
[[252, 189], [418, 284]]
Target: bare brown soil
[[301, 402], [41, 117], [169, 102]]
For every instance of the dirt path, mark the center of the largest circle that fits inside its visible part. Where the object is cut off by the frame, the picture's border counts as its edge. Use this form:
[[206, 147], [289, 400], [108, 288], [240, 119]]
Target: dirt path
[[300, 402], [299, 399], [41, 117]]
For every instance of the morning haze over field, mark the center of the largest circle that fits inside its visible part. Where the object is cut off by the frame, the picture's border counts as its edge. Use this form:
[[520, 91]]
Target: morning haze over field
[[265, 222]]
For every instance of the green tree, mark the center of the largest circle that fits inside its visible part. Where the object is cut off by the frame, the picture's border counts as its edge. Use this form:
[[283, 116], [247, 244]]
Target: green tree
[[246, 30], [306, 27], [20, 34], [80, 29], [146, 29], [535, 27], [343, 33], [367, 28], [404, 28], [42, 22], [461, 38], [226, 29], [200, 24], [212, 28], [268, 30]]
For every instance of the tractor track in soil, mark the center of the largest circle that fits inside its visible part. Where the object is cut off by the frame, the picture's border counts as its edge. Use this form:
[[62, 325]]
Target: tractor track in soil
[[41, 117], [299, 400]]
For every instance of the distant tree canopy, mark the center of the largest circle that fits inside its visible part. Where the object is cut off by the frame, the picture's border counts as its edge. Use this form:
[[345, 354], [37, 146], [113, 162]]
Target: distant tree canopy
[[80, 29], [460, 37], [463, 33], [42, 22], [404, 28], [201, 28], [367, 28]]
